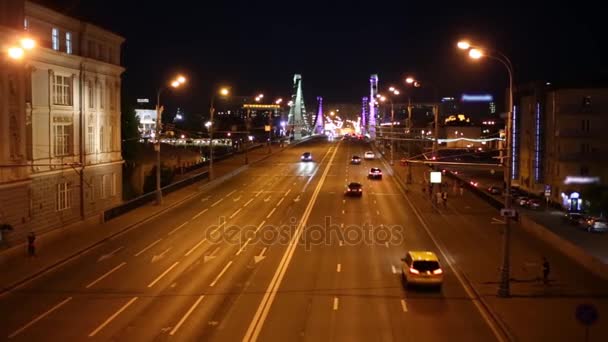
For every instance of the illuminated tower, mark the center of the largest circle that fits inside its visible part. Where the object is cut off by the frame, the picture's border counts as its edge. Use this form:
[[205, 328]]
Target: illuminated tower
[[364, 114], [297, 120], [319, 121], [373, 106]]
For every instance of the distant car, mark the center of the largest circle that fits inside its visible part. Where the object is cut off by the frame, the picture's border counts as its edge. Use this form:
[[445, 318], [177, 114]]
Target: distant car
[[596, 224], [521, 200], [354, 189], [574, 218], [374, 173], [494, 190], [422, 268], [534, 203], [473, 183], [355, 160], [369, 155], [306, 156]]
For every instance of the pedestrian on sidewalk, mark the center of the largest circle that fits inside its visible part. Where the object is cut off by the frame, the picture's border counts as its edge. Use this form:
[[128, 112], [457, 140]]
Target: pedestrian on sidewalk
[[438, 198], [31, 247], [444, 199], [546, 271], [461, 190]]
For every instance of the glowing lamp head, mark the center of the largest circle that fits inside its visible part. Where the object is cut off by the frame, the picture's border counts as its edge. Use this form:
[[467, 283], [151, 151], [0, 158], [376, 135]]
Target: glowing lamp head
[[475, 53], [278, 101], [28, 43], [410, 80], [261, 96], [15, 52], [224, 91], [181, 79], [464, 45], [396, 92], [382, 98], [391, 89], [175, 84]]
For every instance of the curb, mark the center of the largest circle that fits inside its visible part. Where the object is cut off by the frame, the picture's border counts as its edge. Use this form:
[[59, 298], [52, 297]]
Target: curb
[[207, 186]]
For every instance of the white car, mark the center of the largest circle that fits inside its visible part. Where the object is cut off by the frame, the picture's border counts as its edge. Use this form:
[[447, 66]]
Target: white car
[[369, 155]]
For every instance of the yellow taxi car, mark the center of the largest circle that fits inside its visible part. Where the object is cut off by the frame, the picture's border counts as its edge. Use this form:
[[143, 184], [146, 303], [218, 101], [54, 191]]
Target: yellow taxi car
[[422, 268]]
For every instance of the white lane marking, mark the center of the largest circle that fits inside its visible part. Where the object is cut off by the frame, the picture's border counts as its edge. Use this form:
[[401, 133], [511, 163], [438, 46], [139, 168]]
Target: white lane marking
[[195, 247], [231, 192], [394, 269], [403, 305], [243, 247], [271, 212], [199, 214], [260, 256], [155, 258], [216, 203], [109, 255], [377, 212], [106, 274], [259, 227], [262, 311], [235, 213], [185, 317], [211, 255], [148, 247], [123, 308], [163, 274], [32, 322], [237, 199], [343, 212], [287, 193], [246, 204], [178, 228], [220, 275], [279, 203], [386, 244], [205, 199], [339, 268], [335, 303], [267, 199]]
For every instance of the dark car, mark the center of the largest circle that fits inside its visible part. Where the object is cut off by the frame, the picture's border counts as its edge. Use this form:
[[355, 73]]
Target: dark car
[[534, 203], [356, 160], [306, 156], [494, 190], [354, 189], [375, 173], [574, 218]]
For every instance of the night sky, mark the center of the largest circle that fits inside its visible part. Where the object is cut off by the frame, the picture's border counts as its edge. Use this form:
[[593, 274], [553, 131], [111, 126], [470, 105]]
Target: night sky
[[257, 46]]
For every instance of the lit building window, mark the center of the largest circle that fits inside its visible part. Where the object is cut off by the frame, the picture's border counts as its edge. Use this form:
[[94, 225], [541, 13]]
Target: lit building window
[[64, 198], [62, 136], [68, 42], [62, 90], [26, 24], [55, 38]]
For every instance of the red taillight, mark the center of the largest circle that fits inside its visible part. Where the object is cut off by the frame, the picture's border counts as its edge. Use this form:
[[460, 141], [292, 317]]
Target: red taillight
[[414, 271], [360, 190], [438, 271]]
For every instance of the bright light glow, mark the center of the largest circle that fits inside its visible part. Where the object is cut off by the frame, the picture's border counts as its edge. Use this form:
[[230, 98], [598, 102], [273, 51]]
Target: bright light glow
[[257, 99], [414, 271], [410, 80], [278, 101], [382, 98], [261, 96], [391, 89], [468, 139], [251, 138], [435, 177], [183, 136], [28, 43], [290, 103], [175, 84], [224, 91], [438, 271], [181, 79], [477, 98], [396, 92], [208, 124], [581, 180], [228, 134], [283, 124], [15, 52], [464, 45], [475, 53]]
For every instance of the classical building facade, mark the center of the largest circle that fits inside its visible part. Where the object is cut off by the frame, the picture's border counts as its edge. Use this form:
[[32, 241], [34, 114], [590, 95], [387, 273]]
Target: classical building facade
[[60, 155], [560, 141]]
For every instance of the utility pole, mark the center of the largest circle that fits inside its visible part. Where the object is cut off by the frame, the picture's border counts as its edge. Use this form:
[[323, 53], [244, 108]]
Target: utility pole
[[159, 113]]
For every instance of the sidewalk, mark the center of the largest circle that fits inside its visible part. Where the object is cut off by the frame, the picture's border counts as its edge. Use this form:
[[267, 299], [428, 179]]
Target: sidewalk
[[63, 244]]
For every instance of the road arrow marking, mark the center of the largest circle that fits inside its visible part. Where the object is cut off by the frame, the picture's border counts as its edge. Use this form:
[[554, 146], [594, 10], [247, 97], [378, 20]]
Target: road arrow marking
[[155, 258], [261, 256], [297, 199], [210, 256], [109, 255], [237, 199], [267, 199], [205, 199]]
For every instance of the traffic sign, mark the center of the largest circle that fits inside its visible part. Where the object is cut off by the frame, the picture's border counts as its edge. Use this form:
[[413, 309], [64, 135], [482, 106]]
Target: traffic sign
[[586, 314], [547, 190], [267, 128], [436, 177], [508, 212]]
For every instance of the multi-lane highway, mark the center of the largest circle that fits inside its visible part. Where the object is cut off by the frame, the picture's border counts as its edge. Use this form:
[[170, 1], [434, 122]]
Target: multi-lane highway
[[275, 253]]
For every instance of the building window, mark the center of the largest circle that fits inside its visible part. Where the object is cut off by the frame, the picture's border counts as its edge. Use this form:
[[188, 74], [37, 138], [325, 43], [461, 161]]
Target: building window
[[55, 38], [110, 138], [26, 24], [110, 55], [114, 185], [91, 48], [102, 140], [91, 90], [101, 96], [64, 198], [90, 139], [62, 137], [62, 90], [104, 186], [111, 97], [68, 42]]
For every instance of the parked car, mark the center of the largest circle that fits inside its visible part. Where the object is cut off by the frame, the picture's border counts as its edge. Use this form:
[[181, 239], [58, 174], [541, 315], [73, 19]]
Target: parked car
[[597, 224], [534, 203], [574, 218], [521, 200], [494, 190]]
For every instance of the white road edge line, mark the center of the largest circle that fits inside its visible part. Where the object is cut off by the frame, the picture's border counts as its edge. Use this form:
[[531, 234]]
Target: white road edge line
[[246, 204], [199, 214], [403, 305], [216, 203], [148, 247], [106, 274], [243, 247], [257, 322], [339, 268], [163, 274], [185, 317], [235, 213], [123, 308], [271, 212], [221, 273], [32, 322], [178, 228], [195, 247], [336, 302]]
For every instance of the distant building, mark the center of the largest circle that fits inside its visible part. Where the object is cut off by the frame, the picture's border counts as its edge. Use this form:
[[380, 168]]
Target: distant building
[[147, 122], [59, 120], [560, 143]]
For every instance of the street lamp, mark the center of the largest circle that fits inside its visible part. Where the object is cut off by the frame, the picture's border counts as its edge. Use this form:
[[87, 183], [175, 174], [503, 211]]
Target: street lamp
[[176, 83], [223, 92], [477, 53]]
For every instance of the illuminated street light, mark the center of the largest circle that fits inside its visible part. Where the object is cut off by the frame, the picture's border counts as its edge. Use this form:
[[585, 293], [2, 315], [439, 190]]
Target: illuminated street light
[[475, 53], [261, 96], [391, 89], [396, 92], [224, 91], [15, 52], [278, 101], [208, 124], [464, 45], [175, 84], [181, 79], [410, 80], [28, 43]]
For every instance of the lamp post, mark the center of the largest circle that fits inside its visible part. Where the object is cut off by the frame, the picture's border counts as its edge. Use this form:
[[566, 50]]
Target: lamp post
[[477, 53], [222, 92], [176, 83], [417, 84]]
